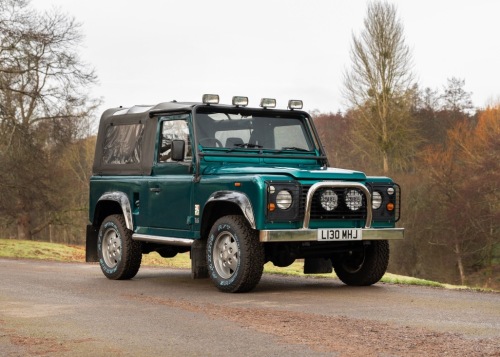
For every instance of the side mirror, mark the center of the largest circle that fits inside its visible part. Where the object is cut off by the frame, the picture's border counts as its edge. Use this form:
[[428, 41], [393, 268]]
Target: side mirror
[[178, 150]]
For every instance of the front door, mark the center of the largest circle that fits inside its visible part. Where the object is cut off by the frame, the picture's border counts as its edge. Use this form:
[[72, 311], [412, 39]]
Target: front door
[[169, 194]]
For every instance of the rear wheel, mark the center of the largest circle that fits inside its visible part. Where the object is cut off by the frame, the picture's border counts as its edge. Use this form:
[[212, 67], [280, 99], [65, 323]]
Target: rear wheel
[[119, 256], [364, 266], [235, 257]]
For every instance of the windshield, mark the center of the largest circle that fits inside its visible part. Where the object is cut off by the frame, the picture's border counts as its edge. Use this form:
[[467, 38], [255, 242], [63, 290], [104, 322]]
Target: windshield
[[251, 130]]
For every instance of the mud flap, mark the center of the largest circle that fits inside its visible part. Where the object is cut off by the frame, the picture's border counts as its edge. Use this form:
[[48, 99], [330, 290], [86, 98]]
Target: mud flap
[[317, 266], [199, 269], [91, 244]]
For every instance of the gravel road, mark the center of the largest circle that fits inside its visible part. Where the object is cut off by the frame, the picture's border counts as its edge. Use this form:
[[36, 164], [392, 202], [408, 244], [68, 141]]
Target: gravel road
[[71, 309]]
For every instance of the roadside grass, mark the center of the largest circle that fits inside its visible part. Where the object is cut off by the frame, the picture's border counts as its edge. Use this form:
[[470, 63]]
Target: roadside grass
[[406, 280], [22, 249]]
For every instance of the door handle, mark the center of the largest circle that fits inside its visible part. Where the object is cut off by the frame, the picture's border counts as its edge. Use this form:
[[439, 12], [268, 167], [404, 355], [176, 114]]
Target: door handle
[[155, 189]]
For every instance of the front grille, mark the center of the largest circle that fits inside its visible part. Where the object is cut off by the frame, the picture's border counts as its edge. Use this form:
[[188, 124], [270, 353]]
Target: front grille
[[342, 212]]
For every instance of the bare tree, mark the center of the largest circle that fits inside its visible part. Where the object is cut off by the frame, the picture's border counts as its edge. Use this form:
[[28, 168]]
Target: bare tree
[[334, 131], [455, 98], [43, 99], [379, 87]]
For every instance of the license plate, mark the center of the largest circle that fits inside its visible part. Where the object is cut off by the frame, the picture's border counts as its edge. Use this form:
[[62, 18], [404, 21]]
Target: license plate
[[335, 234]]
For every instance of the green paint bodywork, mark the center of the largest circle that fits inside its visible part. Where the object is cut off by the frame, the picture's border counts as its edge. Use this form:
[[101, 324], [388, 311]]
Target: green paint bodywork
[[174, 198]]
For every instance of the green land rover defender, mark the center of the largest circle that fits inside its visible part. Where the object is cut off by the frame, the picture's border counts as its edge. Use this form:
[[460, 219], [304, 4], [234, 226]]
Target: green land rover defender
[[236, 187]]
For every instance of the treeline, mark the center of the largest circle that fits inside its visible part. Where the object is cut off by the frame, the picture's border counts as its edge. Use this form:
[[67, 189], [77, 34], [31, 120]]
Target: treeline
[[45, 196], [450, 185], [45, 121], [444, 154]]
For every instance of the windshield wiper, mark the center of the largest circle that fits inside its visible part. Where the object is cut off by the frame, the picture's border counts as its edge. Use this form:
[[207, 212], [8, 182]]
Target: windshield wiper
[[248, 145], [294, 148], [245, 145]]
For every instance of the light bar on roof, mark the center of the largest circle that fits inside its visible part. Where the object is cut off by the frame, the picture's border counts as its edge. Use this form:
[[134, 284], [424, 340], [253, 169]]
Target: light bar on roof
[[210, 99], [240, 101], [268, 103], [295, 104]]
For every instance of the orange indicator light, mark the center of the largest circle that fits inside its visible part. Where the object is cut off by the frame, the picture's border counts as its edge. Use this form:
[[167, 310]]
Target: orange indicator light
[[272, 207], [237, 184], [390, 206]]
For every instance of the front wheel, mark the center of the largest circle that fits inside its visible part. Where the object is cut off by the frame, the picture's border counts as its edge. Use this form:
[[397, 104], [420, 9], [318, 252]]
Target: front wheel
[[119, 256], [235, 256], [363, 266]]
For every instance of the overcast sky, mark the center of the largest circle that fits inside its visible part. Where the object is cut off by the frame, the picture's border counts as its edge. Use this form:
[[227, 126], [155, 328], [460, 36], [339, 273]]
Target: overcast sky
[[152, 51]]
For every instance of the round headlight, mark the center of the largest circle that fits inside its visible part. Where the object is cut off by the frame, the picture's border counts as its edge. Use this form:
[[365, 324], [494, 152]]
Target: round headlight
[[376, 200], [329, 200], [353, 199], [284, 199]]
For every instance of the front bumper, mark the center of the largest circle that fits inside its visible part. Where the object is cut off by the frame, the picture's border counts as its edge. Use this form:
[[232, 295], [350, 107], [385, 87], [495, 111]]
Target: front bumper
[[308, 235]]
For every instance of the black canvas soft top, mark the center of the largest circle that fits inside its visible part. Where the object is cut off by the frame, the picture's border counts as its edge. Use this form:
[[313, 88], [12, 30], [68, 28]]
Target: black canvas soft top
[[136, 136]]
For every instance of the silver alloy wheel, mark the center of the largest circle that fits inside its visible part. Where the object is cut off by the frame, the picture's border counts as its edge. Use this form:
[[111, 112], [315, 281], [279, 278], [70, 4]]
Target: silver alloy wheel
[[111, 247], [225, 255]]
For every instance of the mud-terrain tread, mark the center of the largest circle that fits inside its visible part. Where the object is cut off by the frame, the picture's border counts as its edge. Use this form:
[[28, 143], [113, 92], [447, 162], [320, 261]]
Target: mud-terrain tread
[[373, 269], [251, 256], [131, 251]]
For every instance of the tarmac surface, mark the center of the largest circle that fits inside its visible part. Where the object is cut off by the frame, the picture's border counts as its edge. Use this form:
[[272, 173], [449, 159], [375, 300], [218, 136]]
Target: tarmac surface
[[71, 309]]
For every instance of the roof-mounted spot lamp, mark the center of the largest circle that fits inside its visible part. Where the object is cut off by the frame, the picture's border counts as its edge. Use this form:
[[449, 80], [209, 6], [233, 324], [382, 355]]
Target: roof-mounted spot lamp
[[210, 99], [240, 101], [268, 103], [295, 104]]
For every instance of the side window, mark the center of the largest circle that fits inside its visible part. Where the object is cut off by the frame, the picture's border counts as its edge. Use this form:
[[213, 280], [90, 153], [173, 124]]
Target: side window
[[173, 129], [122, 144]]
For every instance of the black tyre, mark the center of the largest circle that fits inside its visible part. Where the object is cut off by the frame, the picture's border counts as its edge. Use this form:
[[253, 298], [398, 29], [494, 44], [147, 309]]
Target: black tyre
[[235, 257], [364, 266], [119, 256]]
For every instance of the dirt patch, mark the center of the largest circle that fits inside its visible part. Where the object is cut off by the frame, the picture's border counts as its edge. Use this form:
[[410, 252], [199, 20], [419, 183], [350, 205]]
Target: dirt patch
[[34, 346], [339, 334]]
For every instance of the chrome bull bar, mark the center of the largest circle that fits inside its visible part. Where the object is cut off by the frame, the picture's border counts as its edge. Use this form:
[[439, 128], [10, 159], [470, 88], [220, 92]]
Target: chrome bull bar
[[318, 185]]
